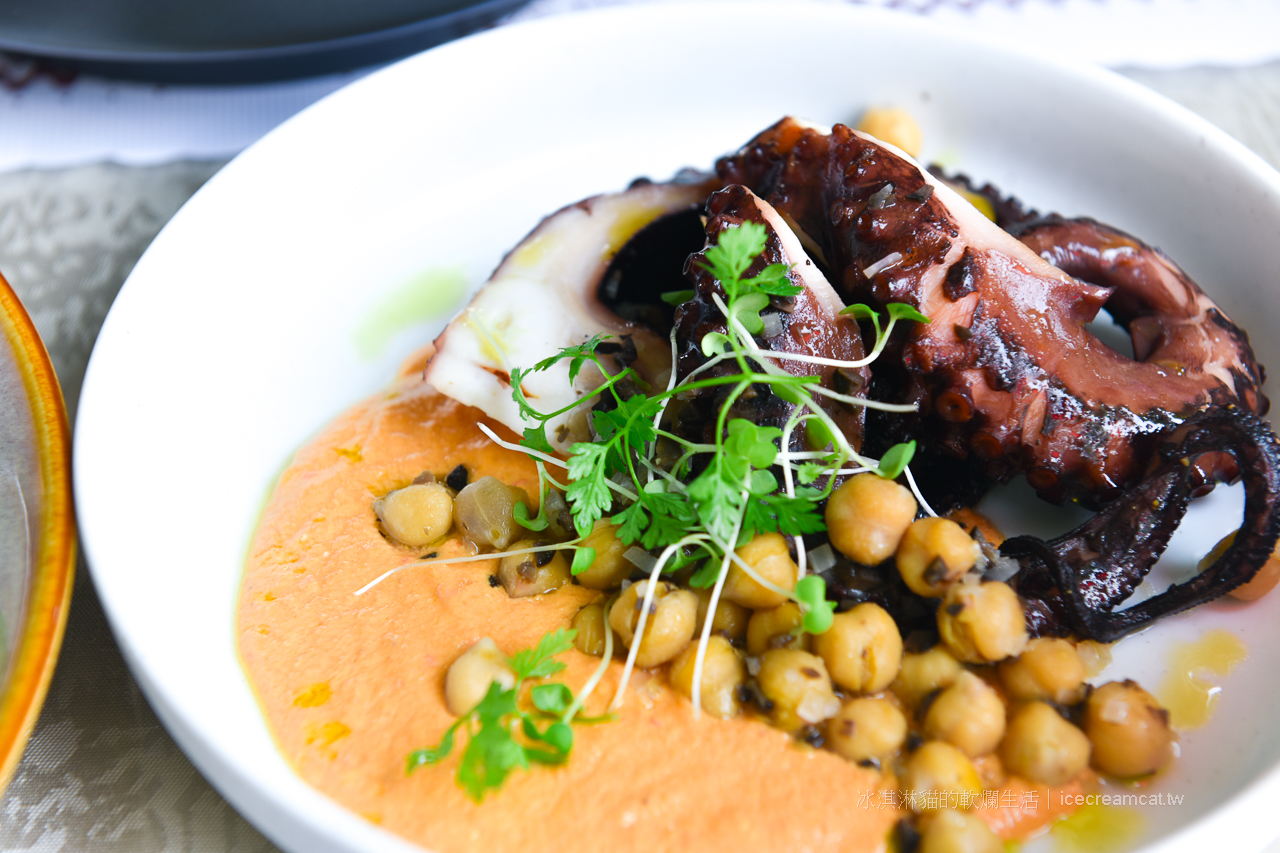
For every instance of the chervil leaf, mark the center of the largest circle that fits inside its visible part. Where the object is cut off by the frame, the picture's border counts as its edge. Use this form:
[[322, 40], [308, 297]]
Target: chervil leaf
[[588, 493], [491, 755], [778, 513], [670, 518], [535, 438], [677, 297], [527, 411], [735, 250], [810, 471], [705, 576], [584, 350], [719, 503], [539, 661], [582, 560], [631, 522], [774, 281], [437, 753], [629, 416], [493, 751]]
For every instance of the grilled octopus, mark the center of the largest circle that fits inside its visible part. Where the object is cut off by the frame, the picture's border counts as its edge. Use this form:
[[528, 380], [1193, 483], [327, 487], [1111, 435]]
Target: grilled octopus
[[1008, 378]]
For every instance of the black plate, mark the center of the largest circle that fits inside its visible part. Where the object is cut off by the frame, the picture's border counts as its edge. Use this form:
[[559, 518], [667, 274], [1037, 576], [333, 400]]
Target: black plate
[[233, 41]]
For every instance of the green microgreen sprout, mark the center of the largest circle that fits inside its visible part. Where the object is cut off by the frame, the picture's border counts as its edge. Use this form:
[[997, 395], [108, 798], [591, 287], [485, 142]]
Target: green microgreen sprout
[[502, 736]]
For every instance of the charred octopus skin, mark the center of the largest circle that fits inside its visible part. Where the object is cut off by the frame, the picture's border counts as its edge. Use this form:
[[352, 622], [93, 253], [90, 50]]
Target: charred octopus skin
[[1076, 582], [1007, 373], [808, 324]]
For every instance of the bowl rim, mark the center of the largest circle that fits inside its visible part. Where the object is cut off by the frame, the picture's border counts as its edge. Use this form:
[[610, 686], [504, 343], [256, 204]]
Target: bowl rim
[[48, 595]]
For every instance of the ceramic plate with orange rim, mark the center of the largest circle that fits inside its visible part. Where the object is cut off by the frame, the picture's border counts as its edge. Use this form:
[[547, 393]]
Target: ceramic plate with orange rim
[[37, 526]]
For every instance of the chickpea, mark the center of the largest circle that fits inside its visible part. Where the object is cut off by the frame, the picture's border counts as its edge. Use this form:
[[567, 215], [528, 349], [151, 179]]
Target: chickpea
[[990, 770], [590, 623], [723, 672], [777, 628], [1049, 669], [416, 515], [982, 622], [1095, 656], [523, 575], [1042, 747], [862, 649], [768, 556], [669, 627], [968, 714], [469, 677], [730, 621], [867, 728], [610, 568], [559, 518], [935, 553], [867, 516], [797, 685], [939, 767], [951, 831], [893, 125], [483, 512], [1128, 729], [923, 673]]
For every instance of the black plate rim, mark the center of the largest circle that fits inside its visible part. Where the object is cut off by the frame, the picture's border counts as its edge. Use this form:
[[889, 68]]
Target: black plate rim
[[265, 64]]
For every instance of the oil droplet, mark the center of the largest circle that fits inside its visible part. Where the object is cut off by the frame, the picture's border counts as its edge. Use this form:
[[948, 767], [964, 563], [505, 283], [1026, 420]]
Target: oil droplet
[[313, 696], [532, 251], [327, 734], [429, 295], [352, 453], [1097, 828], [630, 220], [1188, 694]]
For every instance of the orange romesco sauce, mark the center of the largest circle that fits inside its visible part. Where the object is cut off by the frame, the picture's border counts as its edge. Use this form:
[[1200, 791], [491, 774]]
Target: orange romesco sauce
[[350, 685]]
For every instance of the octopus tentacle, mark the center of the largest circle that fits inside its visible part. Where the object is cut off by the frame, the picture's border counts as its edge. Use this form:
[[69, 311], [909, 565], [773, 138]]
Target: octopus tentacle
[[1008, 371], [1076, 581], [1172, 322], [809, 325]]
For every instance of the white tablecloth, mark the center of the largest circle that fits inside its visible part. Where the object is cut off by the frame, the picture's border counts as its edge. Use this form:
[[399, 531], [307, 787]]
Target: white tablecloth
[[45, 122]]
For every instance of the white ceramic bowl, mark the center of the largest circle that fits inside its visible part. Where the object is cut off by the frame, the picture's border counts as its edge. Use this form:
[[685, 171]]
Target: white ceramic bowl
[[277, 297]]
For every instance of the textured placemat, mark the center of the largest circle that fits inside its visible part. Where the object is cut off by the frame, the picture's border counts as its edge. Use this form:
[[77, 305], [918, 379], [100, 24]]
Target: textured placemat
[[100, 774]]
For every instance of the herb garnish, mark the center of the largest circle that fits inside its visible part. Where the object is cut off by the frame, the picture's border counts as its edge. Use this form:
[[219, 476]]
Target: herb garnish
[[736, 494], [493, 750]]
